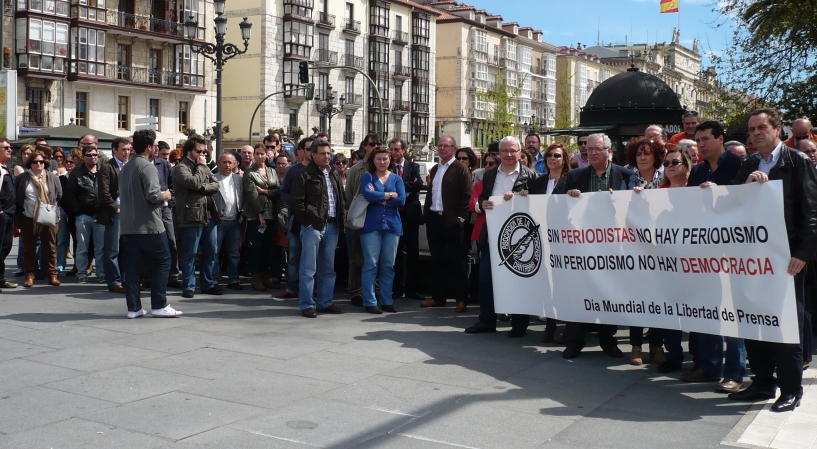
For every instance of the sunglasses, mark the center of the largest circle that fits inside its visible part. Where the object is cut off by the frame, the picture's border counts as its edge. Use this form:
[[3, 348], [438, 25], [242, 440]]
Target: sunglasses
[[92, 155], [691, 114], [6, 147], [271, 147], [38, 162], [462, 158], [674, 163], [58, 157], [372, 144], [583, 143], [554, 155], [197, 151], [340, 162], [69, 162], [490, 164]]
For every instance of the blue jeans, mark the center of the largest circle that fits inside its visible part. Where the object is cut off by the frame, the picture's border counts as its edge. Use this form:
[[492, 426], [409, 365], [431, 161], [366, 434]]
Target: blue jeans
[[711, 354], [63, 239], [229, 238], [294, 262], [145, 250], [112, 276], [379, 250], [192, 237], [88, 228], [317, 266]]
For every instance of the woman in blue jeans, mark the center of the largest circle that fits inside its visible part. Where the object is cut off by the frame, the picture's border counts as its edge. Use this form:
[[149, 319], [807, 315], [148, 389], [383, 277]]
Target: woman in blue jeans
[[385, 192]]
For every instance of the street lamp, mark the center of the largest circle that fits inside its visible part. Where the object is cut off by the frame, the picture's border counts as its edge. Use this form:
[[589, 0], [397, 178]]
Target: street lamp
[[219, 53], [326, 106]]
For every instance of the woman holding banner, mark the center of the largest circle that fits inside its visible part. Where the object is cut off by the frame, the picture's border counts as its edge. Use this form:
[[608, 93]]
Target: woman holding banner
[[645, 155]]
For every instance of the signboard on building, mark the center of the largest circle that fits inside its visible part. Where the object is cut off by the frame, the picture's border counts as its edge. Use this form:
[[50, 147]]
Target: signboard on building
[[8, 104]]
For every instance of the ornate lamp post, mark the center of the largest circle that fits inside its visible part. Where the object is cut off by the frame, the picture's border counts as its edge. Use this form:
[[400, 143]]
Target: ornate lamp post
[[219, 53], [326, 106]]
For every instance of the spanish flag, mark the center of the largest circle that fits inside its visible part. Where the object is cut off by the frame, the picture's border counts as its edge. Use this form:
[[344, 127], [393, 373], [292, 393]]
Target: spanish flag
[[669, 6]]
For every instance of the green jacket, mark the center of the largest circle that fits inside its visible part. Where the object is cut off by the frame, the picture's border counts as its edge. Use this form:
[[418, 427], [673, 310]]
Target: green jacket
[[353, 177], [255, 203], [193, 183]]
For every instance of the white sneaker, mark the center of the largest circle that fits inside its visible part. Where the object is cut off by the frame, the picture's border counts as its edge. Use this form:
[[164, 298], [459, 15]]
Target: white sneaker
[[167, 312], [137, 314]]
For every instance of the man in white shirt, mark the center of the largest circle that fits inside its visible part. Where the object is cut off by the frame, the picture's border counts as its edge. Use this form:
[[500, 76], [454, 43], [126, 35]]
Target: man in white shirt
[[229, 200]]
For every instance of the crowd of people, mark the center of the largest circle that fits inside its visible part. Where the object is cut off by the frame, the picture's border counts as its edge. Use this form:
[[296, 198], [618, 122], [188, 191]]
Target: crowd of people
[[298, 222]]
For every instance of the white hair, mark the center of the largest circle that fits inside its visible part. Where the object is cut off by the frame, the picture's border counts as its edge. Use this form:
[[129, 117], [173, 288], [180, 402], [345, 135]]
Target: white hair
[[685, 144], [511, 139], [604, 139]]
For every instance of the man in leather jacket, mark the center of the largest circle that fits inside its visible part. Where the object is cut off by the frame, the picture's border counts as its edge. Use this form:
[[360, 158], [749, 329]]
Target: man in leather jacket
[[82, 201]]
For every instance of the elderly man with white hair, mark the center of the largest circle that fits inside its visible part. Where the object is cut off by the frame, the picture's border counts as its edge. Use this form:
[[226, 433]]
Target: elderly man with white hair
[[692, 148]]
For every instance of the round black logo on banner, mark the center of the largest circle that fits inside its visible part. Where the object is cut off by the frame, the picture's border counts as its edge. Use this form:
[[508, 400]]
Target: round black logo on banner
[[520, 245]]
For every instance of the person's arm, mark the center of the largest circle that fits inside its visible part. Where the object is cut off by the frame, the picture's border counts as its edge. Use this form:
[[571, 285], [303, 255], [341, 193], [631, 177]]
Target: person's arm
[[416, 184], [286, 189], [150, 184], [70, 198], [400, 189], [184, 178], [465, 196], [103, 190], [807, 180], [210, 184], [58, 189], [298, 200], [473, 203], [251, 195], [369, 192]]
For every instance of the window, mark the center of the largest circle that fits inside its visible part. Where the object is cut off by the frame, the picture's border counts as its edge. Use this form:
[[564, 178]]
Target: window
[[92, 10], [379, 52], [293, 117], [349, 126], [184, 123], [291, 84], [196, 9], [524, 55], [81, 115], [322, 86], [123, 62], [479, 40], [88, 48], [398, 22], [419, 97], [301, 8], [190, 66], [379, 19], [421, 27], [154, 110], [155, 66], [298, 38], [551, 66], [510, 50], [350, 90], [419, 128], [350, 12], [123, 114]]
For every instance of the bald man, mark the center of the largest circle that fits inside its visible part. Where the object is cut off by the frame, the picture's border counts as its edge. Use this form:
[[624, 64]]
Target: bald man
[[657, 132], [809, 148], [246, 158], [736, 148], [800, 130]]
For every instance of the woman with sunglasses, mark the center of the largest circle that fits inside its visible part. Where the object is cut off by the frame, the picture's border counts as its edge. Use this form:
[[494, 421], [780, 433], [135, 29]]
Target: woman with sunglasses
[[59, 157], [340, 163], [262, 193], [37, 186], [25, 153]]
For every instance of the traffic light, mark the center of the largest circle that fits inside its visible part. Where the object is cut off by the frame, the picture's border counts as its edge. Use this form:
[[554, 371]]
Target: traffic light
[[303, 72], [310, 91]]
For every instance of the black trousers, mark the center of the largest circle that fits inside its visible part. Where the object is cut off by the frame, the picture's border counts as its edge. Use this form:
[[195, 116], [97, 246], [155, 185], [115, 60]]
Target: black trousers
[[765, 356], [487, 311], [407, 262], [445, 244], [6, 240], [575, 333]]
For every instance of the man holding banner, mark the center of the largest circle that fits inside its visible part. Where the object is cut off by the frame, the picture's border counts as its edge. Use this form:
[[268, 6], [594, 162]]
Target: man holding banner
[[775, 160]]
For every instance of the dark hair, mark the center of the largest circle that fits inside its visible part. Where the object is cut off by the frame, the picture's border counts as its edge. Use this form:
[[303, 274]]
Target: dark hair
[[270, 138], [538, 139], [41, 139], [302, 143], [338, 155], [3, 139], [565, 156], [403, 144], [528, 157], [717, 129], [76, 153], [359, 155], [142, 140], [45, 149], [190, 144], [322, 135], [287, 154], [87, 148], [163, 145], [370, 167], [119, 141], [319, 143], [492, 156], [645, 143], [774, 117], [369, 136], [37, 152], [472, 158], [79, 142], [493, 147]]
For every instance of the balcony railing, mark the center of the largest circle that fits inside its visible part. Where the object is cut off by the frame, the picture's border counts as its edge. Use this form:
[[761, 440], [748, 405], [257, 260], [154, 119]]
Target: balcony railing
[[325, 20], [349, 137], [400, 37], [351, 26], [401, 71], [420, 74], [373, 103], [353, 101], [401, 107], [419, 107], [33, 117], [352, 61], [537, 71], [138, 75], [378, 67], [145, 23], [322, 56]]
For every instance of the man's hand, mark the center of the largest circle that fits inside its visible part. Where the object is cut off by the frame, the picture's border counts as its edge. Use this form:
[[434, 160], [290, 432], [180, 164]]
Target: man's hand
[[202, 160], [758, 177], [707, 184], [507, 196], [574, 193], [795, 265], [487, 205], [166, 195]]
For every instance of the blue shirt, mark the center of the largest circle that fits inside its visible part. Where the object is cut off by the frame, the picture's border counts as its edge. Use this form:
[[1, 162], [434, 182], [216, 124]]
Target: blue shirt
[[379, 217], [766, 167], [539, 164], [289, 178]]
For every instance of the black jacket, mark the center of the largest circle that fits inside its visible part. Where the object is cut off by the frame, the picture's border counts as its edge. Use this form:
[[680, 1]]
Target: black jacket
[[539, 186], [523, 182], [799, 197], [310, 198], [412, 214], [580, 178], [723, 176], [8, 198], [80, 194], [107, 192]]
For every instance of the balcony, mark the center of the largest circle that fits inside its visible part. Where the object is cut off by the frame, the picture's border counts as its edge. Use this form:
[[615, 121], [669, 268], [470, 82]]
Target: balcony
[[298, 9], [325, 21], [378, 69], [493, 60], [420, 74], [351, 26], [349, 137], [352, 61], [419, 107], [399, 37], [35, 118], [138, 76], [294, 95], [400, 107], [133, 23], [374, 104], [538, 96], [325, 57], [537, 71], [400, 72], [353, 102]]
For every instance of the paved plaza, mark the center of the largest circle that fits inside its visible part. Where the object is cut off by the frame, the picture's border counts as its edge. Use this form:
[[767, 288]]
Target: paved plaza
[[242, 371]]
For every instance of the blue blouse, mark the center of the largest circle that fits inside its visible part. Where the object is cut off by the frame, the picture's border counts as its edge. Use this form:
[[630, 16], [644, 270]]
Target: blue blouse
[[379, 217]]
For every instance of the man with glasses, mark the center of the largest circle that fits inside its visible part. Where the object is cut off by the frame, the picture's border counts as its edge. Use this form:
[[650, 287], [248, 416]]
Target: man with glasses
[[195, 184], [800, 130], [354, 174], [166, 184], [411, 216], [109, 207], [446, 209], [8, 207], [82, 201], [271, 143], [581, 158], [690, 121]]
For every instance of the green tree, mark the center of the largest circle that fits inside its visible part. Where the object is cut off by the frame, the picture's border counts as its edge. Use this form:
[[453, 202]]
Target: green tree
[[500, 99], [564, 106]]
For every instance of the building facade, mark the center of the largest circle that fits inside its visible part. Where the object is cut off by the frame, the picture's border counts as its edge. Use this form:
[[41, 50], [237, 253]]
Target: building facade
[[103, 64], [578, 73], [391, 42]]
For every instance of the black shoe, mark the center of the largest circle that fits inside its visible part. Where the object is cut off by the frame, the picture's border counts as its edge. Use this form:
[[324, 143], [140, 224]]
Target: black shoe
[[331, 309], [175, 283], [755, 392], [786, 403], [550, 333], [188, 294], [374, 310], [668, 366], [389, 309], [504, 317], [397, 294], [516, 333], [356, 301], [235, 286], [572, 350], [214, 290], [416, 296], [612, 351], [479, 328], [309, 313]]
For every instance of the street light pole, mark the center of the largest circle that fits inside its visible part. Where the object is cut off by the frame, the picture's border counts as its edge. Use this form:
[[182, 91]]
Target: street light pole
[[326, 106], [219, 53]]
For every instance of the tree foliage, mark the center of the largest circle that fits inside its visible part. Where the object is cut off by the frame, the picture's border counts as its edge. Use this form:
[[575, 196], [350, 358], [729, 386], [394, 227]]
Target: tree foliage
[[501, 101]]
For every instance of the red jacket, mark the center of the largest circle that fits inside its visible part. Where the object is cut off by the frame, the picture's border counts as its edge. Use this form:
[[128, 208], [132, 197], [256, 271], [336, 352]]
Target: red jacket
[[472, 205]]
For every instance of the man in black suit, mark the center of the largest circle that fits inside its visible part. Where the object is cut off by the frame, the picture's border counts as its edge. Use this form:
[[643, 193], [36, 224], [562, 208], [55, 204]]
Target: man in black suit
[[600, 176], [108, 214], [412, 217]]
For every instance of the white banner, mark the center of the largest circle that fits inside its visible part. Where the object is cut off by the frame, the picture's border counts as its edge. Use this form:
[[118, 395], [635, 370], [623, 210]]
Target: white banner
[[705, 260]]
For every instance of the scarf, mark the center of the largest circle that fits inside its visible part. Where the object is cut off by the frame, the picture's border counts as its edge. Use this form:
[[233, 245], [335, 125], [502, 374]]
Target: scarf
[[43, 196]]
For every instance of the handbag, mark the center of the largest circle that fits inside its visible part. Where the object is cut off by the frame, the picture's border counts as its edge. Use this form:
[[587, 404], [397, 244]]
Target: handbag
[[46, 214], [356, 217]]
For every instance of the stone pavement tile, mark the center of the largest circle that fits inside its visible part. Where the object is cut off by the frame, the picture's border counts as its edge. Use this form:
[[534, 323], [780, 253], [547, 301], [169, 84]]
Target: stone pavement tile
[[759, 435], [243, 328], [505, 349], [97, 357], [796, 436], [457, 372], [76, 433], [12, 349], [225, 437], [260, 388], [7, 329], [66, 336], [174, 415], [337, 328], [120, 323], [37, 406], [472, 424], [280, 346], [403, 442], [420, 337], [333, 367], [321, 423], [173, 341], [126, 384], [16, 374], [210, 363], [392, 394], [388, 349]]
